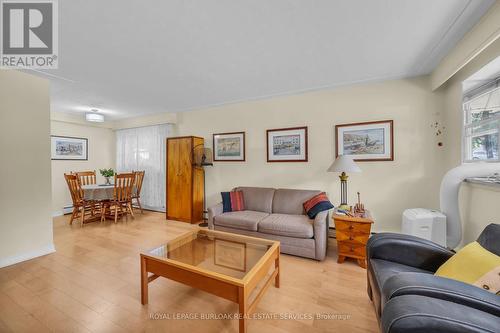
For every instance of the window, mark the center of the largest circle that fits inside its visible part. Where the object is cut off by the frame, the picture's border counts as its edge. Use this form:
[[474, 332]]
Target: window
[[482, 123], [143, 148]]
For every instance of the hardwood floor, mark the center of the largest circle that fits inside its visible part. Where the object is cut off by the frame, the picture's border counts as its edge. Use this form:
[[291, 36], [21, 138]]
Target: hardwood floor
[[92, 284]]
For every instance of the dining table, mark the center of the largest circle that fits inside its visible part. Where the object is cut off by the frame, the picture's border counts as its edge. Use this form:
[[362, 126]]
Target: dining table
[[101, 192], [98, 192]]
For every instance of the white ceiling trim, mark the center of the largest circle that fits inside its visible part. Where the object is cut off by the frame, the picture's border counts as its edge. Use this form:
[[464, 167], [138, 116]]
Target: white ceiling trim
[[435, 50], [484, 33]]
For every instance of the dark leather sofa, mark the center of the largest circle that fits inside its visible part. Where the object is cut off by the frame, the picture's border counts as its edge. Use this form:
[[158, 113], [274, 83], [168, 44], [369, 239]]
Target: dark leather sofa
[[407, 296]]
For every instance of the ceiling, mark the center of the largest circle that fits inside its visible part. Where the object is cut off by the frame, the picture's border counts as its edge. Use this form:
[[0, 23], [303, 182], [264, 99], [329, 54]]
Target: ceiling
[[132, 58]]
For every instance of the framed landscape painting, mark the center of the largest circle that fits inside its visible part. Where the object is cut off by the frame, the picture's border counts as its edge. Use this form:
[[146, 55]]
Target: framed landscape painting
[[69, 148], [370, 141], [229, 146], [287, 144]]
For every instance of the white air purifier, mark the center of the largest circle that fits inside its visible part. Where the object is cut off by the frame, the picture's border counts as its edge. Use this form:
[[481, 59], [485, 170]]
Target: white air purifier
[[425, 223]]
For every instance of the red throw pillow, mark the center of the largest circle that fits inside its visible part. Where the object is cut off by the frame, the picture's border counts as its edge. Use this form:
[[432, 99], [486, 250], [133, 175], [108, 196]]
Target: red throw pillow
[[237, 203]]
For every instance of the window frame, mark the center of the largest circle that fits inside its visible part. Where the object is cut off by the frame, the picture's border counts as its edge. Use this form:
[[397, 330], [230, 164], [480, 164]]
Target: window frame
[[474, 93]]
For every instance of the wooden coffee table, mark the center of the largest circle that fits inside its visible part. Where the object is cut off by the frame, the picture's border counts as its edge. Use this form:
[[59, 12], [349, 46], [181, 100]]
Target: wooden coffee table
[[224, 264]]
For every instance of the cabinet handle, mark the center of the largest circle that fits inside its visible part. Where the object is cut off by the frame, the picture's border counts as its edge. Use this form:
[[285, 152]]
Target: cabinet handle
[[351, 227], [350, 238]]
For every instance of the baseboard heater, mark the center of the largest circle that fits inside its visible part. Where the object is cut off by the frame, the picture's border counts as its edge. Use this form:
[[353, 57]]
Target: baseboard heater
[[67, 209]]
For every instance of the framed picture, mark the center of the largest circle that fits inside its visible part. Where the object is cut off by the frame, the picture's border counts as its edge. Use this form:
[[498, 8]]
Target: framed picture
[[69, 148], [370, 141], [229, 147], [230, 254], [287, 144]]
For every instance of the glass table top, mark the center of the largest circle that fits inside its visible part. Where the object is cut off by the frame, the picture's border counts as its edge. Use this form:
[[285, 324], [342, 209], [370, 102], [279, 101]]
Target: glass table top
[[224, 253]]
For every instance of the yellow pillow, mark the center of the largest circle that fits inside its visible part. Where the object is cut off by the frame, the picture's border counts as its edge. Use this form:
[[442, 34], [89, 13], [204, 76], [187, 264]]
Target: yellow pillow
[[475, 265]]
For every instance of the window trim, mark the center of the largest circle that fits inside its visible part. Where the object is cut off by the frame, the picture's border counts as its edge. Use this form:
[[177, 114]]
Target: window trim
[[467, 97]]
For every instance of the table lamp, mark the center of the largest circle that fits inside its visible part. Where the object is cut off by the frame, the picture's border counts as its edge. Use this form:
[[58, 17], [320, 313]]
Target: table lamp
[[343, 164]]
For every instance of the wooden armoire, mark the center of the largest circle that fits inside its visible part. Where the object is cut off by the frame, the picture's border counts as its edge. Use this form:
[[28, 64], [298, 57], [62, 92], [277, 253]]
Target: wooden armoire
[[185, 181]]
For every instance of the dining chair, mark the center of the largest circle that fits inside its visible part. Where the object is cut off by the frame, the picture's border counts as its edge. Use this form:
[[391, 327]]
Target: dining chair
[[81, 207], [136, 193], [121, 204], [86, 177]]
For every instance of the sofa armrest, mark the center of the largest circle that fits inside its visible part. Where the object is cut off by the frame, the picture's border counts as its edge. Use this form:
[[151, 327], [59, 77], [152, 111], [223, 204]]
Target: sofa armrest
[[320, 226], [417, 314], [213, 212], [408, 250], [442, 288]]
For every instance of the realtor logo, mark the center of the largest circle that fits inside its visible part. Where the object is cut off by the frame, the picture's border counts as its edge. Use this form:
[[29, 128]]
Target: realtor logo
[[28, 34]]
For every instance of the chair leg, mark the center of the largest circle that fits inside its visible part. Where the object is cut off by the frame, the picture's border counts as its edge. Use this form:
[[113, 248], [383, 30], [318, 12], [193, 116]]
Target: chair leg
[[129, 207], [103, 212], [73, 214], [83, 216], [116, 213], [139, 203]]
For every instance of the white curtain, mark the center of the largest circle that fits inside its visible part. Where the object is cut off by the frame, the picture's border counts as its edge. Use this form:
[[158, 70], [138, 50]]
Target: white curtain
[[143, 148]]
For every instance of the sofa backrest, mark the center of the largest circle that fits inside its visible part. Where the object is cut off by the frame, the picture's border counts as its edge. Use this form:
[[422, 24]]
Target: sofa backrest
[[490, 238], [259, 199], [289, 201]]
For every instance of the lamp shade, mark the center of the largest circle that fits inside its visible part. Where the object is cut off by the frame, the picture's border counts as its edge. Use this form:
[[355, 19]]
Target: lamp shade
[[344, 163]]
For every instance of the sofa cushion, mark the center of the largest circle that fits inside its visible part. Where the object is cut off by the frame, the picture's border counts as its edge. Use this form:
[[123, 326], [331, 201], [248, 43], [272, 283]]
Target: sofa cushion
[[299, 226], [259, 199], [383, 270], [289, 201], [475, 265], [245, 219]]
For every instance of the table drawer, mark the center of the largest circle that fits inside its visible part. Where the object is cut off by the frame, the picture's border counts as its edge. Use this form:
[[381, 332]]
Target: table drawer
[[353, 236], [353, 226], [351, 249]]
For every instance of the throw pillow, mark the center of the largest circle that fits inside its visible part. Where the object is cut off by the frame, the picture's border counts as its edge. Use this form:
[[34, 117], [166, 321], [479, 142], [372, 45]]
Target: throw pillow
[[237, 201], [317, 204], [232, 201], [475, 265], [226, 202]]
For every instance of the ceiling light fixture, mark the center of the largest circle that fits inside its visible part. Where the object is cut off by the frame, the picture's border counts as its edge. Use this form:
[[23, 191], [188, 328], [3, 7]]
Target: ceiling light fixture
[[94, 116]]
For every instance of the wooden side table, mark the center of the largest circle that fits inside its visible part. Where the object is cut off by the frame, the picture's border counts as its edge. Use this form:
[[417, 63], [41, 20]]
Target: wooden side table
[[352, 234]]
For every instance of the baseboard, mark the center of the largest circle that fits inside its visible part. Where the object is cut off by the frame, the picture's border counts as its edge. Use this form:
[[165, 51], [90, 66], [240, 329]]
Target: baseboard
[[48, 249], [57, 213]]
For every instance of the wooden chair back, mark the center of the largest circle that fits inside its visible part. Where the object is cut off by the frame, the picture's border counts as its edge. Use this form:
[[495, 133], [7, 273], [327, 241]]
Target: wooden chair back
[[124, 183], [74, 189], [86, 177], [139, 178]]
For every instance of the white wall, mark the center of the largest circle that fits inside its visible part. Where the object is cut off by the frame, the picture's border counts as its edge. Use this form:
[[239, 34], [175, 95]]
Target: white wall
[[25, 196], [101, 154], [387, 188]]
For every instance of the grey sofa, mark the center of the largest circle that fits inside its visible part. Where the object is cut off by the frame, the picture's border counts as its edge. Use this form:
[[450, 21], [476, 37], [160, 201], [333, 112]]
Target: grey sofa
[[409, 298], [276, 214]]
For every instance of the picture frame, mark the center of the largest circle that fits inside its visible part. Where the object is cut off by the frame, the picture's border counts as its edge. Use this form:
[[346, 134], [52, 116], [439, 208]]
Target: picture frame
[[229, 147], [69, 148], [287, 144], [230, 254], [366, 141]]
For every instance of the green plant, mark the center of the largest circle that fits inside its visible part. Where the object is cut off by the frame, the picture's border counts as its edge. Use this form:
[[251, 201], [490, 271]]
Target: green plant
[[107, 172]]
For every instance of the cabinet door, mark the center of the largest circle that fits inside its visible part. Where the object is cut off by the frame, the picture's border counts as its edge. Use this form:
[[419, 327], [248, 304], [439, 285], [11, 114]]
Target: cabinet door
[[179, 179]]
